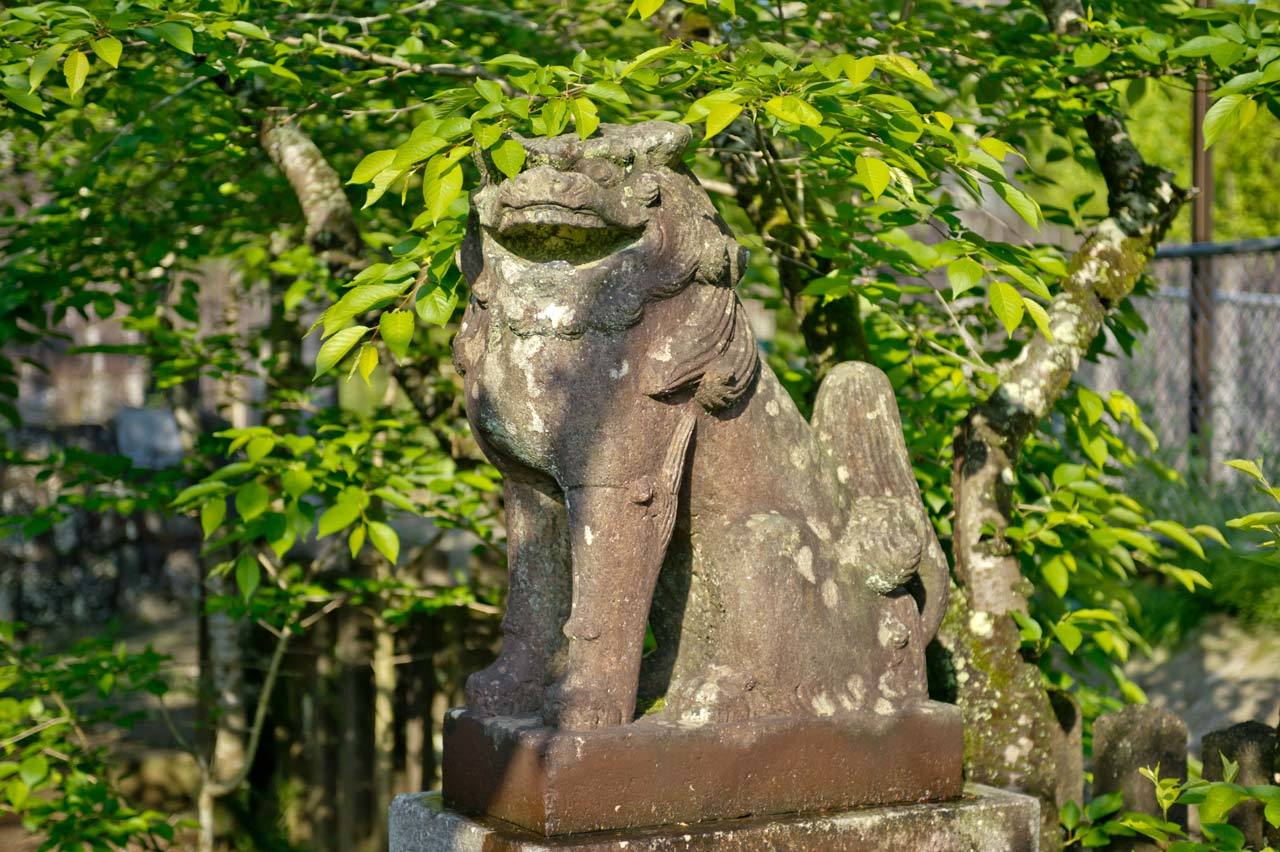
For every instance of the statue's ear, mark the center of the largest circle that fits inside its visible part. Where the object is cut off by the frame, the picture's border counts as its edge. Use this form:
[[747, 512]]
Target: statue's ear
[[470, 259], [712, 351]]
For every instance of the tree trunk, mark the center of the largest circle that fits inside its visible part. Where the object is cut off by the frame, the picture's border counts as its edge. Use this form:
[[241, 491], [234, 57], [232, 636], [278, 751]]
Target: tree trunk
[[1014, 736], [384, 726]]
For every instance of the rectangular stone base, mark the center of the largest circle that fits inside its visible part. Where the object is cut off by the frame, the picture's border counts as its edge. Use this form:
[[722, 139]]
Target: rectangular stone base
[[982, 820], [654, 772]]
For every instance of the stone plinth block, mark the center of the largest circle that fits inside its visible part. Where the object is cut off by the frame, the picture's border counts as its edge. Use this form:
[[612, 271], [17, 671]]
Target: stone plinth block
[[981, 820], [655, 772]]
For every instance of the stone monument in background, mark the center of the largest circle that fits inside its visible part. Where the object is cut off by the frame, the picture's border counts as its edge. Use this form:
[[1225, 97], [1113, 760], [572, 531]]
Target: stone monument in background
[[718, 609]]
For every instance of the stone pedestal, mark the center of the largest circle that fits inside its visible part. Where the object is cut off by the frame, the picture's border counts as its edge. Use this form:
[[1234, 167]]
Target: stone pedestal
[[981, 820], [654, 772]]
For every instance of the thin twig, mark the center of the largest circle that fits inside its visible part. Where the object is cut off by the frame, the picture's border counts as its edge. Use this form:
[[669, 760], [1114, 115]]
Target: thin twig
[[32, 731], [218, 789], [182, 742], [969, 342]]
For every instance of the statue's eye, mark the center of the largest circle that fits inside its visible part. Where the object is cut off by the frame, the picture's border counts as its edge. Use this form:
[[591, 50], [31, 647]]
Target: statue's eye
[[602, 172]]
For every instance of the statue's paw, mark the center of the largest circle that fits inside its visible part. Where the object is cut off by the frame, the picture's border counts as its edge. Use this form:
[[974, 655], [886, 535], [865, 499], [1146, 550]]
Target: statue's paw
[[723, 695], [577, 705], [503, 689]]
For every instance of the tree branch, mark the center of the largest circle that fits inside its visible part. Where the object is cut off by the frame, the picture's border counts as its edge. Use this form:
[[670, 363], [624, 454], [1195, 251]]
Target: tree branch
[[1142, 201], [441, 69], [331, 223]]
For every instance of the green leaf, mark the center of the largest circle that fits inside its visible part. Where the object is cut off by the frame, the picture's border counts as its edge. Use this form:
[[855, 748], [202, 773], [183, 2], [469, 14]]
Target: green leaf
[[858, 70], [490, 90], [1069, 635], [1247, 467], [248, 575], [418, 147], [874, 174], [585, 116], [1272, 813], [337, 517], [360, 299], [396, 328], [337, 346], [440, 186], [720, 114], [211, 514], [644, 8], [611, 92], [108, 49], [26, 100], [1040, 317], [33, 770], [645, 58], [1254, 520], [1104, 805], [1229, 114], [1056, 574], [1178, 533], [1198, 46], [963, 275], [355, 541], [252, 499], [997, 148], [177, 35], [296, 482], [509, 157], [249, 30], [1090, 403], [260, 447], [76, 69], [396, 499], [1021, 203], [366, 362], [371, 165], [485, 135], [42, 64], [1088, 55], [16, 792], [793, 110], [901, 66], [384, 538], [1006, 304], [1069, 815], [1218, 801], [436, 306]]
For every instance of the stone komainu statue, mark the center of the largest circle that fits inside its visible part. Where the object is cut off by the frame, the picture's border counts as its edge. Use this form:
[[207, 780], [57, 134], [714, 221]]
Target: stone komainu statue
[[658, 474]]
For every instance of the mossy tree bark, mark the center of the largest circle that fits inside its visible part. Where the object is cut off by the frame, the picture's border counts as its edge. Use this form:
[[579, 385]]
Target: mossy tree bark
[[1016, 738]]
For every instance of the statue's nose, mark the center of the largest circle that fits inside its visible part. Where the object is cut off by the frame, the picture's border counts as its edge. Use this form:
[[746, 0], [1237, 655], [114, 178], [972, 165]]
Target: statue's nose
[[549, 183]]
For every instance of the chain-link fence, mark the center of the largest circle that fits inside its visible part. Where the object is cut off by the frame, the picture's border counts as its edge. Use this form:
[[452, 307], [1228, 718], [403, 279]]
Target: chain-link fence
[[1208, 371]]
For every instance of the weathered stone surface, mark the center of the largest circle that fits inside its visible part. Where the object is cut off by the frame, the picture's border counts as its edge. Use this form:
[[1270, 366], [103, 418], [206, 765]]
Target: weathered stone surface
[[983, 820], [1124, 742], [150, 437], [657, 472], [1255, 747], [654, 772]]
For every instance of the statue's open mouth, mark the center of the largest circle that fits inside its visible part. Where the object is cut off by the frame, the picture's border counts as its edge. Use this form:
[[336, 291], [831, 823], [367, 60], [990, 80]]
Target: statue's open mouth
[[545, 230]]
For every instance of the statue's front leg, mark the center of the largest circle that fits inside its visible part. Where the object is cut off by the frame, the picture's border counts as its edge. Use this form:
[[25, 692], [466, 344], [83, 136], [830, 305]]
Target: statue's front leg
[[538, 561], [619, 536]]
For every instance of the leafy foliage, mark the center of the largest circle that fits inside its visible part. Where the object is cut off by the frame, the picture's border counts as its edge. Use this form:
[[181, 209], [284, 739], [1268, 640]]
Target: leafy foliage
[[1104, 819], [53, 775]]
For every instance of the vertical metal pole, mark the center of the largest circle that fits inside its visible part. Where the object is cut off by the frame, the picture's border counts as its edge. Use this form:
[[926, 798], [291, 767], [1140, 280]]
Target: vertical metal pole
[[1200, 303]]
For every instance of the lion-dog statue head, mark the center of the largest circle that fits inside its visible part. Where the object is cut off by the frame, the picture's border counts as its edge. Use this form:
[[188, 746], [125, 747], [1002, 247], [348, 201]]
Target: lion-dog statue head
[[658, 475]]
